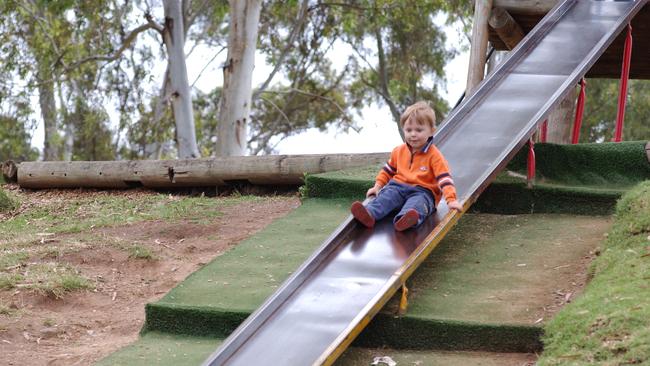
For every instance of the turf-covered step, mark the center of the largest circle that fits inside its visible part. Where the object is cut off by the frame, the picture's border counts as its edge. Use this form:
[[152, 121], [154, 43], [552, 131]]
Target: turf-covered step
[[578, 179], [161, 349], [482, 289], [363, 356]]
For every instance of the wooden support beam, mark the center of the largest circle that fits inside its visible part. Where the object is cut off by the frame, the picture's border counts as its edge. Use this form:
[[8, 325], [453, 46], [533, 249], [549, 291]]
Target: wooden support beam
[[529, 7], [271, 169], [506, 27], [478, 50]]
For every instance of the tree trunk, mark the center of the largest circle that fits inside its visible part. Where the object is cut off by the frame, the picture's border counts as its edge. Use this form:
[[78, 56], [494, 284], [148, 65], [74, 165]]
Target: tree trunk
[[48, 113], [68, 137], [560, 120], [181, 97], [234, 107]]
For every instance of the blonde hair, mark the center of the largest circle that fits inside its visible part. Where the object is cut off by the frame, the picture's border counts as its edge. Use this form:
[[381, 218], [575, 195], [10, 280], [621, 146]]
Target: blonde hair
[[420, 113]]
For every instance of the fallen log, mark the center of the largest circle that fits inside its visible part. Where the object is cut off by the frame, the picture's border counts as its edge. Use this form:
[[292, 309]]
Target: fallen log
[[271, 169], [9, 171]]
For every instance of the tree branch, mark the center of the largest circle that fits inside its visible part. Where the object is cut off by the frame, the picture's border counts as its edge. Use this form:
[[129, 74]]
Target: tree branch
[[317, 96], [277, 109], [383, 80], [206, 66], [127, 42], [302, 16]]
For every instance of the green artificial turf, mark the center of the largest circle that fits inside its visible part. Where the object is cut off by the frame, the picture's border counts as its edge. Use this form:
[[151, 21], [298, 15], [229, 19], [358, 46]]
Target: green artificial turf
[[161, 349], [487, 283], [364, 357], [609, 165], [579, 179], [213, 300], [610, 323], [451, 305], [511, 198]]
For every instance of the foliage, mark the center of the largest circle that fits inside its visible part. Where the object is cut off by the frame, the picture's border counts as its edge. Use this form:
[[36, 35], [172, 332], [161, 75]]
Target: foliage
[[396, 56], [601, 107], [15, 140], [81, 58], [405, 62], [610, 323], [206, 111], [92, 139]]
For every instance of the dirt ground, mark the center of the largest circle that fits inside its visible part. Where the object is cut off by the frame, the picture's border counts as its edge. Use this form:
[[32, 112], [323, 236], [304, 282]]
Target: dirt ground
[[85, 326]]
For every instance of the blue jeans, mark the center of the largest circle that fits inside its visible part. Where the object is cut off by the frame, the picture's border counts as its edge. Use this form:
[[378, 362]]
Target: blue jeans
[[406, 197]]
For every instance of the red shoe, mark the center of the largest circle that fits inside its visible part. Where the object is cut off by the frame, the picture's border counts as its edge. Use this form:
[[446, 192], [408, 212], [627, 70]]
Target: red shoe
[[409, 219], [362, 215]]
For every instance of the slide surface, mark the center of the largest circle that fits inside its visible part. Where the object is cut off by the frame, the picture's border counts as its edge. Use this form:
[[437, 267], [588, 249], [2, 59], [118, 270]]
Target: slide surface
[[326, 303]]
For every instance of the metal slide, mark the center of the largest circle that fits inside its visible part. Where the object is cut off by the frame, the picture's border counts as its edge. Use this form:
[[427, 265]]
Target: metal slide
[[325, 304]]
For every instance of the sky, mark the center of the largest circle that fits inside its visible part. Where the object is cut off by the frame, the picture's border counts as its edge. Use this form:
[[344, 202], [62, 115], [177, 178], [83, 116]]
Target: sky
[[378, 132]]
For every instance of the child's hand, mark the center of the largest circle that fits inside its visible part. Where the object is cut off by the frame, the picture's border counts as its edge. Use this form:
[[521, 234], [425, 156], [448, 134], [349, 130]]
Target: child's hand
[[373, 191], [455, 205]]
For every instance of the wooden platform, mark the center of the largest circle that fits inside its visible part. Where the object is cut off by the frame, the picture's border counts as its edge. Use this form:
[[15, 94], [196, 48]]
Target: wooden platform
[[528, 13]]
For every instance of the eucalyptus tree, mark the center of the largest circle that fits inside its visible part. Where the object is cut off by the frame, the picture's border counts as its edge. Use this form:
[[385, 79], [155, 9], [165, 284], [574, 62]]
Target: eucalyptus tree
[[298, 40], [234, 107], [28, 27], [181, 98], [397, 56], [57, 47], [196, 22], [399, 49], [15, 140]]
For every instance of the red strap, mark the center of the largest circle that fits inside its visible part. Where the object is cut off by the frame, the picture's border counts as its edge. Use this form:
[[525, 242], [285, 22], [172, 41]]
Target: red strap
[[580, 109], [531, 162], [622, 94]]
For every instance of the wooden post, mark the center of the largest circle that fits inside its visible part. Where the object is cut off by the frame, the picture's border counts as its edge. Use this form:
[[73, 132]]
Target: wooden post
[[478, 48], [506, 27]]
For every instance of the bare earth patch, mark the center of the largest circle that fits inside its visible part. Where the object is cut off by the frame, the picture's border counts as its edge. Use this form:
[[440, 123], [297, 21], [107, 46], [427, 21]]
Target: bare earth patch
[[84, 326]]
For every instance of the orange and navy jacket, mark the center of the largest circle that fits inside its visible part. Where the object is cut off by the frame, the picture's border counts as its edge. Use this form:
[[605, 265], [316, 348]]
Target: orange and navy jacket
[[425, 168]]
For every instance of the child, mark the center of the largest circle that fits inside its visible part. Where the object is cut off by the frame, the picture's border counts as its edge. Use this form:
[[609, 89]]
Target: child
[[414, 179]]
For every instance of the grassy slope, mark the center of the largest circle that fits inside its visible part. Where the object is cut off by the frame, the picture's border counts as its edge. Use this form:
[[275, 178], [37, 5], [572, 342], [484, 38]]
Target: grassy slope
[[25, 261], [6, 203], [610, 323]]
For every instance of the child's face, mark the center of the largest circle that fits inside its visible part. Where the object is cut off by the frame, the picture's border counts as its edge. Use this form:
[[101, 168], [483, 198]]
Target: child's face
[[416, 134]]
